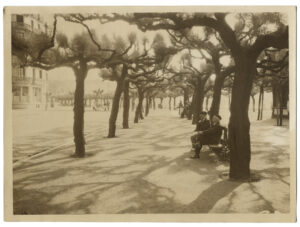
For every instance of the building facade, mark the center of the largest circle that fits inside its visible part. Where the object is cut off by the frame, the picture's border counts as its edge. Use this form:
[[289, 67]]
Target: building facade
[[29, 84]]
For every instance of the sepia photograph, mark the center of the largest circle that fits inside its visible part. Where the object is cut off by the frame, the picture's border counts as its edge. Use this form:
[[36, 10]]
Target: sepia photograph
[[177, 114]]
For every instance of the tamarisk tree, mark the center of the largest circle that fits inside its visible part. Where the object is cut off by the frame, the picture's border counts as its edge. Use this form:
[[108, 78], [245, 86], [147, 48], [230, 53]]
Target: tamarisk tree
[[245, 41]]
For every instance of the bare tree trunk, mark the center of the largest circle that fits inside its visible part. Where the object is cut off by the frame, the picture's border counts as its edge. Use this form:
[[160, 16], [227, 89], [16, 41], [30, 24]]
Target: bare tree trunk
[[239, 124], [154, 104], [274, 95], [78, 127], [190, 113], [198, 99], [215, 105], [170, 101], [174, 103], [115, 104], [121, 102], [132, 103], [280, 99], [229, 98], [260, 103], [150, 103], [138, 110], [147, 106], [142, 110], [161, 103], [126, 104]]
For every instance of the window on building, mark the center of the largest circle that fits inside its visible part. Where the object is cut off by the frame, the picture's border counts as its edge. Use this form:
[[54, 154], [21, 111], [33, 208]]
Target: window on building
[[16, 91], [41, 74], [16, 94], [21, 73], [25, 91], [20, 35], [20, 19], [33, 75]]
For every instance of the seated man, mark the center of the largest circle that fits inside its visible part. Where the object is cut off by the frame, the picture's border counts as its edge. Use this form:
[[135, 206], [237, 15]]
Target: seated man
[[202, 124], [209, 136]]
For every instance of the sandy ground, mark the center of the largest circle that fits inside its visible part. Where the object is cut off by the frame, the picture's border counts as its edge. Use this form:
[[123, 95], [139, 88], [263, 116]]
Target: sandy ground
[[147, 169]]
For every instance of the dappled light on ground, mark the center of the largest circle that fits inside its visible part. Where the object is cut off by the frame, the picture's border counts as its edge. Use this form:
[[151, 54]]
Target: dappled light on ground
[[147, 169]]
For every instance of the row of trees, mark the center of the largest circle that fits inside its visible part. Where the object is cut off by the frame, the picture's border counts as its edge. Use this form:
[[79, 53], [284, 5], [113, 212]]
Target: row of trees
[[256, 58]]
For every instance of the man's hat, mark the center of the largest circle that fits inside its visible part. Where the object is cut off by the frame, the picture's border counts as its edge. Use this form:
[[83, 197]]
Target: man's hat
[[203, 112], [218, 116]]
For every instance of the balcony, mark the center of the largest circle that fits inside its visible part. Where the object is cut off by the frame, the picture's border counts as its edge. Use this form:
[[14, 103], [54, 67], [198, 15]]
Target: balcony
[[16, 79], [26, 80], [21, 26]]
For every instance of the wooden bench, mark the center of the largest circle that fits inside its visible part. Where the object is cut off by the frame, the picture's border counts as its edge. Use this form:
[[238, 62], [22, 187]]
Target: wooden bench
[[221, 149]]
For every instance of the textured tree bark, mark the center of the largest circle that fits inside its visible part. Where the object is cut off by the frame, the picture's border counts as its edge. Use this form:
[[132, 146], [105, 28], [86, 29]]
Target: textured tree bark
[[138, 110], [174, 103], [282, 102], [215, 105], [141, 116], [274, 95], [170, 101], [78, 126], [126, 104], [198, 99], [239, 124], [190, 113], [147, 106], [154, 103], [121, 102], [115, 105], [280, 98], [260, 103], [150, 103], [161, 103], [132, 103], [259, 106]]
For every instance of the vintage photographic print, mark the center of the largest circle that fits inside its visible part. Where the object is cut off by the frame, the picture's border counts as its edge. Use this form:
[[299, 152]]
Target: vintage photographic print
[[172, 114]]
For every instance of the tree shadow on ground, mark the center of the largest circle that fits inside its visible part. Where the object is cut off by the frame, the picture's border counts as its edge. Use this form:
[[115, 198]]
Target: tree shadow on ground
[[148, 195], [108, 182]]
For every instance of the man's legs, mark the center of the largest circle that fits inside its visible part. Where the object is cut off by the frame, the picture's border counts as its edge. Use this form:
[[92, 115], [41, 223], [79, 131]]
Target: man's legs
[[197, 151], [194, 141], [197, 145]]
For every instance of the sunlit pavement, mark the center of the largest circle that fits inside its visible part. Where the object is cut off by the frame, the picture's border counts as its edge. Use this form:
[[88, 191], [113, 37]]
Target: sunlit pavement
[[37, 131], [147, 169]]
